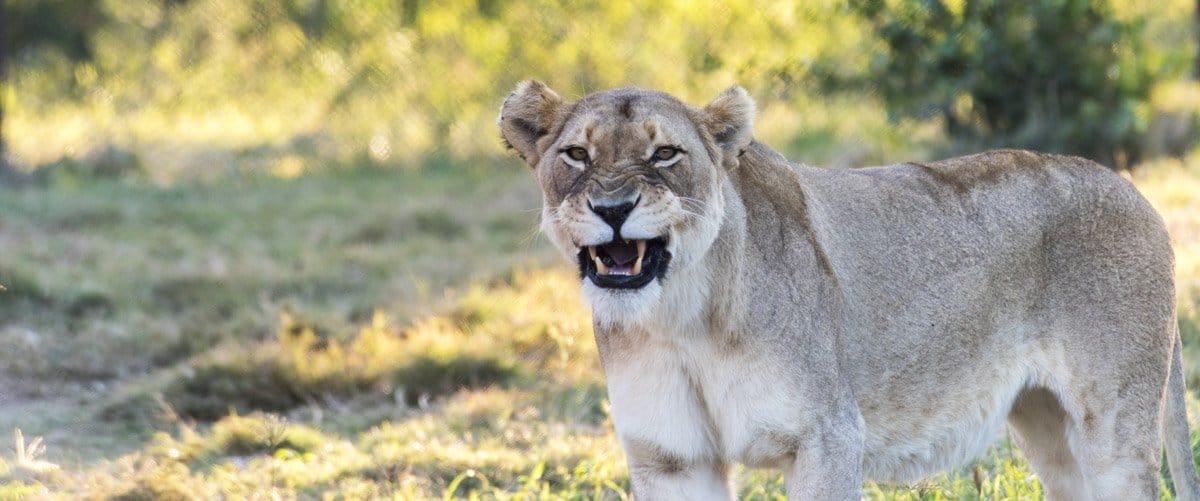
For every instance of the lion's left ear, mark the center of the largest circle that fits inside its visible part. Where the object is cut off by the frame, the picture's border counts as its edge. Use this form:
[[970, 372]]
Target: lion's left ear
[[730, 120]]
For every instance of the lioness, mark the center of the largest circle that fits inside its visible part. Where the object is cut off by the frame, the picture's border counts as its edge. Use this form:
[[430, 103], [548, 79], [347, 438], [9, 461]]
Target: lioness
[[879, 323]]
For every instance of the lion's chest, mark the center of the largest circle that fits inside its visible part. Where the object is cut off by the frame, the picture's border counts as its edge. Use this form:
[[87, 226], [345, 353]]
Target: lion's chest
[[697, 404]]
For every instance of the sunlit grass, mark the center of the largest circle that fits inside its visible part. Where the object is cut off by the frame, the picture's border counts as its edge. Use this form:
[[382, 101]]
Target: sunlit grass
[[110, 283], [546, 429]]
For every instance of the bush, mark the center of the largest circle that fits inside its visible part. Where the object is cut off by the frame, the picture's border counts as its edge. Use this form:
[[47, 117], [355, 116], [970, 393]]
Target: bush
[[1054, 75]]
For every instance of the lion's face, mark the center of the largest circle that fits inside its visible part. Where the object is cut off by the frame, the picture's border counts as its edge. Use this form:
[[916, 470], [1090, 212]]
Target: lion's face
[[631, 183]]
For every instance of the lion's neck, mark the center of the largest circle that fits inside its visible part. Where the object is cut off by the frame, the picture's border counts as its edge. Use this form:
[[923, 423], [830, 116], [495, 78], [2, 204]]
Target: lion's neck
[[764, 242], [706, 298], [771, 234]]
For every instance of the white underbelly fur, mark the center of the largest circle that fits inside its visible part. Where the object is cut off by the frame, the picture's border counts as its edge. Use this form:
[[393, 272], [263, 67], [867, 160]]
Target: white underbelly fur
[[907, 448], [896, 456]]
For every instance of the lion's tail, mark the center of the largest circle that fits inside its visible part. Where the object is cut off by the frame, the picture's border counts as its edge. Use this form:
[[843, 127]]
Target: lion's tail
[[1175, 431]]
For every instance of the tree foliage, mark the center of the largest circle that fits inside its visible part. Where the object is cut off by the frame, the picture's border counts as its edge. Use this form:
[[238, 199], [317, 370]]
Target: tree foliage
[[414, 76], [401, 81], [1054, 75]]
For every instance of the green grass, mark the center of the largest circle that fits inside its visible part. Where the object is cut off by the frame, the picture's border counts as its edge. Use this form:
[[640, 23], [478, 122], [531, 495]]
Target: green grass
[[111, 284], [344, 335]]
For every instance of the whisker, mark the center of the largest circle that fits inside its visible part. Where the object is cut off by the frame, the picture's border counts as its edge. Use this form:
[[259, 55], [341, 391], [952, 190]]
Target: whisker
[[695, 203], [530, 236]]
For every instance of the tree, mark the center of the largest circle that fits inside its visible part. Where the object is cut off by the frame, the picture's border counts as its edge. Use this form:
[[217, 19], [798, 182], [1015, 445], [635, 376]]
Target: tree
[[62, 25], [1054, 75]]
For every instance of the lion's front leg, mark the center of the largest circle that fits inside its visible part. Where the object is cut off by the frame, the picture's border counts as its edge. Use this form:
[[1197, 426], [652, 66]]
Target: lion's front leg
[[829, 466], [669, 441], [667, 445]]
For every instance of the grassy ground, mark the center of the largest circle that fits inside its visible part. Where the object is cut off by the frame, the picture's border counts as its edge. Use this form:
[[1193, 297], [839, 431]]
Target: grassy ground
[[345, 335]]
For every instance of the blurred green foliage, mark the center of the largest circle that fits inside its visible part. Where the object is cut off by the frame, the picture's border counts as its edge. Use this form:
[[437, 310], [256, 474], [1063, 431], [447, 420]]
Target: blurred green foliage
[[383, 80], [63, 25], [290, 85], [1057, 75]]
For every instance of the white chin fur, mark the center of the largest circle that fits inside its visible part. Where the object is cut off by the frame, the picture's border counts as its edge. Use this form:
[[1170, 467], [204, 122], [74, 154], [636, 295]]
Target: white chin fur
[[622, 306]]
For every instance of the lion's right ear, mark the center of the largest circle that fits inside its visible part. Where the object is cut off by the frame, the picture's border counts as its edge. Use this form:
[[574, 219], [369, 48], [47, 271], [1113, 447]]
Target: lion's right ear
[[730, 120], [527, 116]]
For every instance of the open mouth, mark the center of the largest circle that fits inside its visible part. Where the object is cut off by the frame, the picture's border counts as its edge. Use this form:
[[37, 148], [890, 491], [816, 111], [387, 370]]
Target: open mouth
[[624, 264]]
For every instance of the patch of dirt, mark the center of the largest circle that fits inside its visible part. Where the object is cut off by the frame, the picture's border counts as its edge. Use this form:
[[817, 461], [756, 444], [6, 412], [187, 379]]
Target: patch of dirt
[[62, 413]]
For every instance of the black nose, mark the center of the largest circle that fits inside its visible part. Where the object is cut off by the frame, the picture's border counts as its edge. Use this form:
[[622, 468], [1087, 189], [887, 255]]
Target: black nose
[[614, 215]]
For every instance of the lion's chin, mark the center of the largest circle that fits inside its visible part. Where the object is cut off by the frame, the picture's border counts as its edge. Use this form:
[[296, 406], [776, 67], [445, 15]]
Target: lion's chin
[[622, 306]]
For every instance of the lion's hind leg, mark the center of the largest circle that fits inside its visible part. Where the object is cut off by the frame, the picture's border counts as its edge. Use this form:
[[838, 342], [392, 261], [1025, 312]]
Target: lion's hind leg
[[1100, 440], [1040, 428], [1117, 440]]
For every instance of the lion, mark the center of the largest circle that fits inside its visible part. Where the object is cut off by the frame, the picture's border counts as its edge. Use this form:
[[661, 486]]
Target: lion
[[846, 325]]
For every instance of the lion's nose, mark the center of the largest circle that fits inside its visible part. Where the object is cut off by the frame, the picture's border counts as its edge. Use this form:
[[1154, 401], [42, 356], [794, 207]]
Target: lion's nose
[[613, 214]]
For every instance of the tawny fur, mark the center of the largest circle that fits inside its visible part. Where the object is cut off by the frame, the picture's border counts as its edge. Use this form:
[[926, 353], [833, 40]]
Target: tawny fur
[[868, 324]]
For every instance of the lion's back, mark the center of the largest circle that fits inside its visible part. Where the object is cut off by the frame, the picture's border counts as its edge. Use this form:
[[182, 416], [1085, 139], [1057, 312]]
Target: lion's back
[[1015, 224], [987, 202]]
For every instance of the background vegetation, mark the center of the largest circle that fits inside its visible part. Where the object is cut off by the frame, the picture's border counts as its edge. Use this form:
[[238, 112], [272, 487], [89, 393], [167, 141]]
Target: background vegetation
[[243, 252]]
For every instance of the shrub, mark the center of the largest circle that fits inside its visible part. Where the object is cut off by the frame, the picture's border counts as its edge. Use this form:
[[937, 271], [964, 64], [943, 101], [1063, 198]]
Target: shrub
[[1053, 75]]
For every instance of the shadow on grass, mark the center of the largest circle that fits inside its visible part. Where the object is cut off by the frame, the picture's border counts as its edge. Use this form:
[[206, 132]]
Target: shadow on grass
[[300, 367]]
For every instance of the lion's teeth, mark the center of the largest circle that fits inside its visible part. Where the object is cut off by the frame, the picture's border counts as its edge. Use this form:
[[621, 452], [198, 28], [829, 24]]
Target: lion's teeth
[[600, 267], [637, 265], [603, 270]]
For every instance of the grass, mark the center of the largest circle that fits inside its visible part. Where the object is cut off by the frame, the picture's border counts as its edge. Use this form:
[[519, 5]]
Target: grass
[[191, 267], [355, 334], [110, 283]]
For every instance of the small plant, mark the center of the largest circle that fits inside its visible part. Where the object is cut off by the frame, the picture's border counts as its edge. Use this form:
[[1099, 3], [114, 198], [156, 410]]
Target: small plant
[[27, 454]]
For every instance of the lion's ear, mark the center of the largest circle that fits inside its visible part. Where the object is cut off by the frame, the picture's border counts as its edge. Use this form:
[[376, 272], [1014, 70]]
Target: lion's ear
[[730, 120], [527, 116]]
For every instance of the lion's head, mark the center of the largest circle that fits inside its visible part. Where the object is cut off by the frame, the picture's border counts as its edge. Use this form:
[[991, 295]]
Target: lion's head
[[631, 181]]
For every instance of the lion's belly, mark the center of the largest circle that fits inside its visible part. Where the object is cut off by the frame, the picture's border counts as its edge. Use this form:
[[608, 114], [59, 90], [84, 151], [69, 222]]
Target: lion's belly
[[914, 436], [694, 403]]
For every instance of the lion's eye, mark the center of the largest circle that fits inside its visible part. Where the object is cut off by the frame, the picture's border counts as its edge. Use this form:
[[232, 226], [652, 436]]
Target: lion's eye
[[577, 154], [664, 153]]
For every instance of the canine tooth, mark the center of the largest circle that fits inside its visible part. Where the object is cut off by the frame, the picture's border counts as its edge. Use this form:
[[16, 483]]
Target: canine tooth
[[600, 266], [637, 265]]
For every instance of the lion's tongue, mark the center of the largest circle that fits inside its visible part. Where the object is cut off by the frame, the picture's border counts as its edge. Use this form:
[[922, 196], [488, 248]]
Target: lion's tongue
[[622, 254]]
